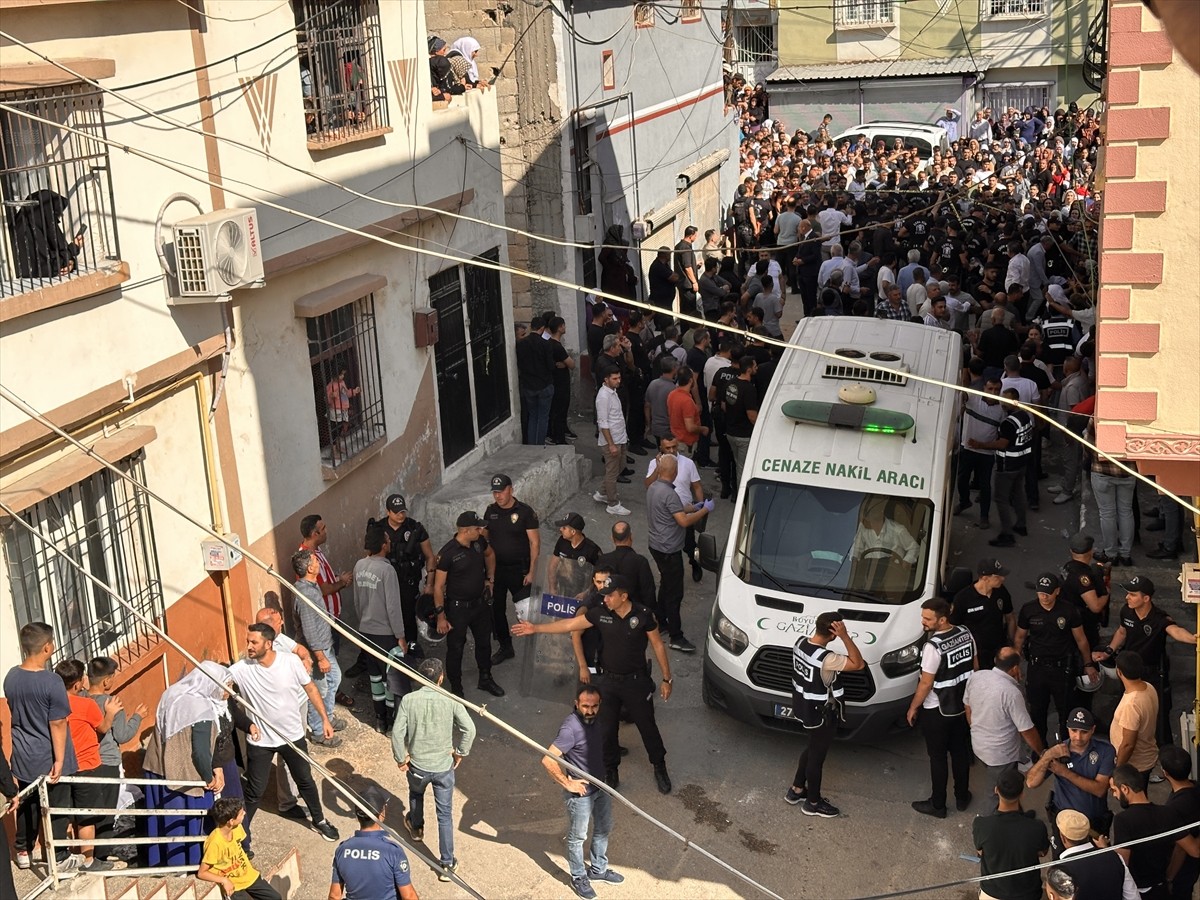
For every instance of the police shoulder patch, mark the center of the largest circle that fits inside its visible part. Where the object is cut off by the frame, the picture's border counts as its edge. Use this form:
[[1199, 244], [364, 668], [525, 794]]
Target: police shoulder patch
[[634, 621], [1085, 581]]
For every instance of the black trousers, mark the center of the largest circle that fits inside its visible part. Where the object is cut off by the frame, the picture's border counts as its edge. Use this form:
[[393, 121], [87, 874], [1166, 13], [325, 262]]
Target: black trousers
[[725, 456], [258, 773], [474, 618], [670, 590], [510, 582], [812, 759], [947, 737], [635, 413], [1042, 685], [978, 465], [410, 589], [807, 284], [260, 890], [635, 695], [1162, 684], [29, 817], [560, 405]]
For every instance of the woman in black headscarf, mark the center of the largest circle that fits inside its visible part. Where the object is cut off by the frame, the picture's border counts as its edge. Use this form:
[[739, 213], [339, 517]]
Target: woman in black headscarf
[[42, 250]]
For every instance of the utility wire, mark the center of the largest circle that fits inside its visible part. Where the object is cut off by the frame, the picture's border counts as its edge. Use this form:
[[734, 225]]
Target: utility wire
[[562, 283], [357, 801], [345, 791], [201, 12], [337, 625]]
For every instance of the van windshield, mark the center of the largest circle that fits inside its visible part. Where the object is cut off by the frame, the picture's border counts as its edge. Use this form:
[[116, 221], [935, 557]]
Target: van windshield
[[923, 147], [838, 544]]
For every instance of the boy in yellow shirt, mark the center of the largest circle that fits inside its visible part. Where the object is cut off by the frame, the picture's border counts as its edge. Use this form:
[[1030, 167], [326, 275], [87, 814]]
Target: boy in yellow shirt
[[225, 862]]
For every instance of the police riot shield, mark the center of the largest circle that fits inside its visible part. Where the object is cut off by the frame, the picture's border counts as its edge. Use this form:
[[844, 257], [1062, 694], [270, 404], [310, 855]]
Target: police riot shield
[[548, 666]]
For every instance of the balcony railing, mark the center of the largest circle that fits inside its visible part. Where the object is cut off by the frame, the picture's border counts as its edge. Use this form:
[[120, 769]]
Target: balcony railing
[[55, 189], [864, 13], [1095, 54], [1012, 9]]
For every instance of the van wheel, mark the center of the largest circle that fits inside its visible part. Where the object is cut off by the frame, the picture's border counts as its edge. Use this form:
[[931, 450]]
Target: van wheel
[[712, 699]]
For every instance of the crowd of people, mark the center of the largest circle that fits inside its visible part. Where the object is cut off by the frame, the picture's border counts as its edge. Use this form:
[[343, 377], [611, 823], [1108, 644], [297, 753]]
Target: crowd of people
[[995, 240]]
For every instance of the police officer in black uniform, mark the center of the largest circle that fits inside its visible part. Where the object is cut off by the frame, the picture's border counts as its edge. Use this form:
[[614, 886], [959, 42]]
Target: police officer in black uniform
[[625, 629], [1050, 631], [985, 608], [1144, 628], [411, 552], [1083, 585], [462, 594], [512, 532], [947, 661]]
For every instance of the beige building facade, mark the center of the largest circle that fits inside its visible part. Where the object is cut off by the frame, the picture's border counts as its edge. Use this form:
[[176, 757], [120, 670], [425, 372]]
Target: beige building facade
[[230, 406]]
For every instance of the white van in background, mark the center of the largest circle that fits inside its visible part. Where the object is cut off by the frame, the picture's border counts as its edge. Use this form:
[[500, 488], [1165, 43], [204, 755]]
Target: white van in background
[[840, 455]]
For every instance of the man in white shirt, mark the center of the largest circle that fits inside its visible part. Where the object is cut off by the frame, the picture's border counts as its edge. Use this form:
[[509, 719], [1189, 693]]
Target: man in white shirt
[[878, 533], [886, 275], [838, 261], [1016, 277], [1000, 723], [1026, 388], [275, 684], [833, 219], [1037, 273], [610, 424]]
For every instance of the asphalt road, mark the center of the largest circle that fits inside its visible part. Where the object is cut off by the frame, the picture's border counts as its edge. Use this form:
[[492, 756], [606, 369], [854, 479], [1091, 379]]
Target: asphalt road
[[729, 779]]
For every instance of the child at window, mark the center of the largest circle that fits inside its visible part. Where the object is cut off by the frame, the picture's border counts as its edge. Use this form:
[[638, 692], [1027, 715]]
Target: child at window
[[87, 724]]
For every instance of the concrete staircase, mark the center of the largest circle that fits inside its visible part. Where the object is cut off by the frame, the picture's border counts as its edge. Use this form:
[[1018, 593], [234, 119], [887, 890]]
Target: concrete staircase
[[543, 477], [285, 878]]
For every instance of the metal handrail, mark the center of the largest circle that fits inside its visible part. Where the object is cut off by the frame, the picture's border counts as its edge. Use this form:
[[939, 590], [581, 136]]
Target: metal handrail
[[51, 845]]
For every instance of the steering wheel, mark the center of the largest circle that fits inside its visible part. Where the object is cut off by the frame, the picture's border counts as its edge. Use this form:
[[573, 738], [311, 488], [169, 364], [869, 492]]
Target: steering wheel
[[892, 555]]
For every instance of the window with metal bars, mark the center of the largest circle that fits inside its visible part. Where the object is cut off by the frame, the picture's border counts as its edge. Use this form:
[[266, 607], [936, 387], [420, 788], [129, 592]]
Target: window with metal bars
[[643, 15], [102, 523], [341, 69], [55, 188], [1013, 9], [343, 353], [851, 13], [754, 43]]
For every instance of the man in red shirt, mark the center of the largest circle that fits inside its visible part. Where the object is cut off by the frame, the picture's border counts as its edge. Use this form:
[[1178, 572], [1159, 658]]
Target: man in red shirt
[[684, 412]]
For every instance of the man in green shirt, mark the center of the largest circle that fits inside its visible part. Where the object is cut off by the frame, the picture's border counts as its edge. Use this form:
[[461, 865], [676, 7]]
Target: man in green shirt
[[424, 748]]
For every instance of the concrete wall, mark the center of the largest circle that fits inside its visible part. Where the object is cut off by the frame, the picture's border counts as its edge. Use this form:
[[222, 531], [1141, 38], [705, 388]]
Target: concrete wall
[[1148, 408], [264, 435]]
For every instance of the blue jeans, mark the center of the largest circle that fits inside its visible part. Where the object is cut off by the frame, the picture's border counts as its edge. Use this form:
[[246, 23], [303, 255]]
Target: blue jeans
[[537, 406], [1114, 498], [326, 686], [443, 801], [596, 808]]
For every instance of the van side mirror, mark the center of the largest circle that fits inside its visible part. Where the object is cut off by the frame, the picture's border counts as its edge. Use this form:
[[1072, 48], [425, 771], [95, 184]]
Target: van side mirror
[[710, 552]]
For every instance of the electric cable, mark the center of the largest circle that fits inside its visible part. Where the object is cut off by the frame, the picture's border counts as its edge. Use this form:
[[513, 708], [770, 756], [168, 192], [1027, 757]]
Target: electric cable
[[562, 283], [358, 802], [208, 15], [336, 625], [345, 791]]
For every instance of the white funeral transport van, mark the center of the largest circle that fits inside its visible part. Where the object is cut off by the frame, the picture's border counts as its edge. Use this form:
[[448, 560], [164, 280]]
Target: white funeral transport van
[[844, 506]]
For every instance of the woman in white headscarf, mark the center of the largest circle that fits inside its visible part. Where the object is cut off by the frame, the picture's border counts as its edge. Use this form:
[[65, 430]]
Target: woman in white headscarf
[[462, 59], [193, 741]]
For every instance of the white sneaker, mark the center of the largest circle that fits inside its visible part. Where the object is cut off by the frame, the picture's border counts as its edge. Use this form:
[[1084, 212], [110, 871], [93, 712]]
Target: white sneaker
[[1064, 497], [616, 509], [1054, 488], [23, 861], [71, 865], [600, 498]]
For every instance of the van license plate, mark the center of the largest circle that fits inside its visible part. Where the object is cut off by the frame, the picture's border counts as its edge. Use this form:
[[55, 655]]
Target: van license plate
[[783, 712]]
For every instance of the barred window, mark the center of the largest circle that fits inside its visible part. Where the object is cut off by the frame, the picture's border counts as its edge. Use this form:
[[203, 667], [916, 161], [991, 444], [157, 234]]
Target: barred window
[[343, 352], [55, 187], [643, 15], [341, 69], [104, 524], [1013, 9], [689, 11], [850, 13], [754, 42]]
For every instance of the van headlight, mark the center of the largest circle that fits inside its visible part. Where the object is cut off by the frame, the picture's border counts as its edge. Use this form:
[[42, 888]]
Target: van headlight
[[904, 661], [727, 634]]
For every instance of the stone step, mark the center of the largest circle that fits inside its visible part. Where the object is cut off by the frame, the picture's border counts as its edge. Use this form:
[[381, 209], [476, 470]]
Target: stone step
[[543, 477]]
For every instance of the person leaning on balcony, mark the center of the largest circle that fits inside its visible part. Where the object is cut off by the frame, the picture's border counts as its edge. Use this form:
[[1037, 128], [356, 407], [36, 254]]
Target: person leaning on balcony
[[193, 741], [443, 82]]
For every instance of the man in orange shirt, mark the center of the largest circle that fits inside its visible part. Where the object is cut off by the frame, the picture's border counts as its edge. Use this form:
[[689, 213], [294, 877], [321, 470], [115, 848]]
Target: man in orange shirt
[[87, 723], [684, 412]]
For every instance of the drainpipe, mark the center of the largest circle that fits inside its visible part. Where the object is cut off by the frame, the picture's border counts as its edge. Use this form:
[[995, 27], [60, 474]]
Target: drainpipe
[[862, 109]]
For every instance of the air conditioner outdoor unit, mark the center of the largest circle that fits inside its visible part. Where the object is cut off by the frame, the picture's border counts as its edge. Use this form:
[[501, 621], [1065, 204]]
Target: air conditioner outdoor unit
[[216, 253]]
